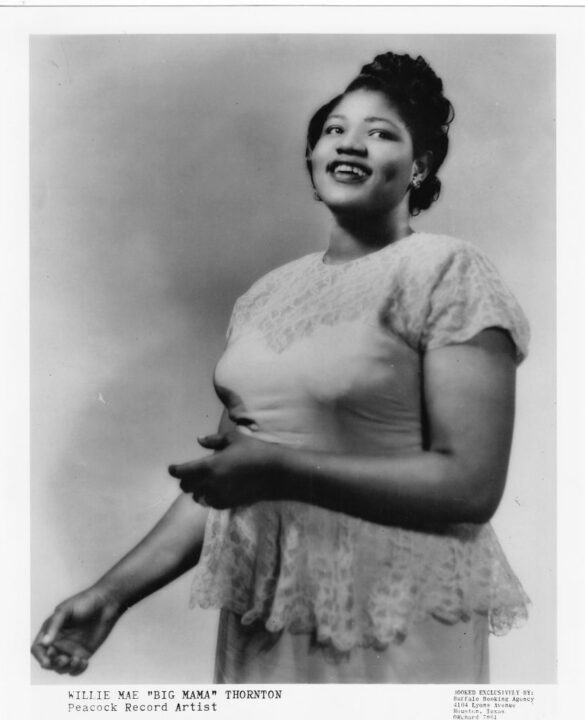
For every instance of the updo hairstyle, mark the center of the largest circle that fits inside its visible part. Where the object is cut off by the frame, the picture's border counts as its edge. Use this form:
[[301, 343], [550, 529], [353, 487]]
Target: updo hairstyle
[[414, 89]]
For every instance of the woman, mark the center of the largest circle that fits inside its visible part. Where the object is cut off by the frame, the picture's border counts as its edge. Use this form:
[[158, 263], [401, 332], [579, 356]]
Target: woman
[[369, 398]]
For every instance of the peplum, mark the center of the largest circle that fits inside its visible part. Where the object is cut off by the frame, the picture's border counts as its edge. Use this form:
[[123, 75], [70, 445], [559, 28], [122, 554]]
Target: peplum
[[329, 357]]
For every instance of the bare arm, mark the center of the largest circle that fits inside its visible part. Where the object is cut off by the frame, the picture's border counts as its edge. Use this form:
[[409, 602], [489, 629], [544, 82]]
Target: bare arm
[[80, 624], [469, 399], [172, 547]]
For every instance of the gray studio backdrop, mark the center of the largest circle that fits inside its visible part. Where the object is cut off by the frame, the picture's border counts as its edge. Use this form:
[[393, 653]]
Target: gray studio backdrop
[[167, 174]]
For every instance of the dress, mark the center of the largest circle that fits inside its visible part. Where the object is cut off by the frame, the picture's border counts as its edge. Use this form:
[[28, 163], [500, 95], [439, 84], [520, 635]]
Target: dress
[[328, 357]]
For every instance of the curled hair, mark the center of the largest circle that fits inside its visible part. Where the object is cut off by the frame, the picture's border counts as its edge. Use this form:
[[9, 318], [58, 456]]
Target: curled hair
[[414, 89]]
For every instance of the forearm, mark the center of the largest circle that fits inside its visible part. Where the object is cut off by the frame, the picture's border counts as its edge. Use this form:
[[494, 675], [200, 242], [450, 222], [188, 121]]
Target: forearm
[[414, 490], [170, 548]]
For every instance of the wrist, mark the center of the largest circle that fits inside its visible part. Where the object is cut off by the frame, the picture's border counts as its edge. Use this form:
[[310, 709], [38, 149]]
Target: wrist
[[111, 597]]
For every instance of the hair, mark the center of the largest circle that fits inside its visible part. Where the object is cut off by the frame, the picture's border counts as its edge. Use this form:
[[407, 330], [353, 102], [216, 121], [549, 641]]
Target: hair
[[414, 89]]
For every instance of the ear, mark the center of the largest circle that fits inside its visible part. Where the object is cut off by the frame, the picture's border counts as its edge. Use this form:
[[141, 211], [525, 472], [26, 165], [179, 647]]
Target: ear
[[422, 165]]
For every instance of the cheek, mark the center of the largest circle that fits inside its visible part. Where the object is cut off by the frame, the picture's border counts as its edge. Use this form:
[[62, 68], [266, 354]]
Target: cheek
[[318, 163], [398, 169]]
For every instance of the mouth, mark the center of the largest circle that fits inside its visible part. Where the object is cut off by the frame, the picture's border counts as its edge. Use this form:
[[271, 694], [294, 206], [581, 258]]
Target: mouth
[[345, 171]]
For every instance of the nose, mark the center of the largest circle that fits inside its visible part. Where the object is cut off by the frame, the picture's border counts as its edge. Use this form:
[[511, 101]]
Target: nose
[[351, 144]]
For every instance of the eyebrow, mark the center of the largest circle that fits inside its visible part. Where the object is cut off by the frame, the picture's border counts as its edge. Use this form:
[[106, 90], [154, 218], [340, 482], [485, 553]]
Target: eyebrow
[[369, 119]]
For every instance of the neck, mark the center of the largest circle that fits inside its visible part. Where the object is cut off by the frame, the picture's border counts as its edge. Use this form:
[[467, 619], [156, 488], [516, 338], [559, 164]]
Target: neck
[[353, 235]]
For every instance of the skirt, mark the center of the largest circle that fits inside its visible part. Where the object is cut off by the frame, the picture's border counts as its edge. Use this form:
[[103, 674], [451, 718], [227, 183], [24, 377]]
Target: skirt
[[432, 652]]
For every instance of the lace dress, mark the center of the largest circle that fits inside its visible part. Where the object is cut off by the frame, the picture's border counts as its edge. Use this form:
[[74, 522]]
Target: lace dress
[[328, 357]]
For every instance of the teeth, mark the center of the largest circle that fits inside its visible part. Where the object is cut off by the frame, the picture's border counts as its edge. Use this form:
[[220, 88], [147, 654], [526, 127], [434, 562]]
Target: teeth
[[350, 169]]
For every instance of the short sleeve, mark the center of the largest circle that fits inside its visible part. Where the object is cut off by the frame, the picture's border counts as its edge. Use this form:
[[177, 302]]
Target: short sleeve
[[240, 314], [249, 304], [233, 320], [468, 296]]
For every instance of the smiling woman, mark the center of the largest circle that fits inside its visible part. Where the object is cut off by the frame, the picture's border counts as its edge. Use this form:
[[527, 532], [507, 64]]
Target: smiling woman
[[357, 548], [341, 521]]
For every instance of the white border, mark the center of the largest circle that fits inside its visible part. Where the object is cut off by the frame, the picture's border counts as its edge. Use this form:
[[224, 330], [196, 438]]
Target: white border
[[21, 700]]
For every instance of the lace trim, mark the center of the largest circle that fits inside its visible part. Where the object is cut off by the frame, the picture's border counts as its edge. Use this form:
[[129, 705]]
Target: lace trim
[[298, 567]]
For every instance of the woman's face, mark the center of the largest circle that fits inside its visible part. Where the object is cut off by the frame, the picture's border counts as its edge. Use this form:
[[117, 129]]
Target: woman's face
[[364, 159]]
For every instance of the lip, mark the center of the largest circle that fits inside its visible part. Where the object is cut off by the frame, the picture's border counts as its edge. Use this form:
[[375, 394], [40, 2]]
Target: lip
[[349, 171]]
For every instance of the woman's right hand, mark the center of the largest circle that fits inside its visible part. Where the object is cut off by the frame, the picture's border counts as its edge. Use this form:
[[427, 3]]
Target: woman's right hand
[[75, 630]]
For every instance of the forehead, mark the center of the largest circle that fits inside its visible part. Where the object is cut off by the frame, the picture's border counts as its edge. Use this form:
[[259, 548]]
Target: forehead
[[366, 103]]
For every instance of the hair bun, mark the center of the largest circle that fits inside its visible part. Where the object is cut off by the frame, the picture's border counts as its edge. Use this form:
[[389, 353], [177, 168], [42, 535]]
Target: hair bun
[[391, 66]]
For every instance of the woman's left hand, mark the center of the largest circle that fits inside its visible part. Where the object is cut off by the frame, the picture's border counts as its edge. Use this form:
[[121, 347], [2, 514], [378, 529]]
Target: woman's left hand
[[241, 471]]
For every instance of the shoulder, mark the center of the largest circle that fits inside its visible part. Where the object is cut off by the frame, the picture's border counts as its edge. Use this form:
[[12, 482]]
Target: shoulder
[[442, 263], [431, 253], [446, 265], [448, 290]]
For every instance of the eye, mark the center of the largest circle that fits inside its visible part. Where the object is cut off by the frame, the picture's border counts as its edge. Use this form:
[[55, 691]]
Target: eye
[[332, 130], [382, 134]]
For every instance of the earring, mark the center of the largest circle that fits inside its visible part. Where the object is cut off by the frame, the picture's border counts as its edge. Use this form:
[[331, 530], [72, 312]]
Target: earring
[[415, 183]]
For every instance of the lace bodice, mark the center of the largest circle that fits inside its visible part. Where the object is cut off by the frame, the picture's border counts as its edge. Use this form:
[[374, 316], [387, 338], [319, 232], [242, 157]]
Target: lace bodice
[[329, 357]]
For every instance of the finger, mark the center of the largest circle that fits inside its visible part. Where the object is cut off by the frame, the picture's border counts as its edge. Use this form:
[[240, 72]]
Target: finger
[[80, 667], [41, 633], [214, 500], [248, 429], [39, 652], [216, 441], [55, 624], [61, 663], [70, 647], [77, 665], [192, 487], [52, 655], [201, 500], [189, 470]]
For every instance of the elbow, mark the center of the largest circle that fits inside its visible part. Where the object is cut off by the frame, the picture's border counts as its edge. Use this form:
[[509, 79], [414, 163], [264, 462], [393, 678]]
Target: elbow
[[481, 513], [482, 499], [476, 488]]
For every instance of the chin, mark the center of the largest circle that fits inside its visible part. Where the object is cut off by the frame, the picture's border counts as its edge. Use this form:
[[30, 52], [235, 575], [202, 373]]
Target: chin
[[355, 206], [339, 199]]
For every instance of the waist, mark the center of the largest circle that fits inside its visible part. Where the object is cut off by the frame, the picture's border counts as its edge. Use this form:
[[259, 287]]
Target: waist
[[335, 435]]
